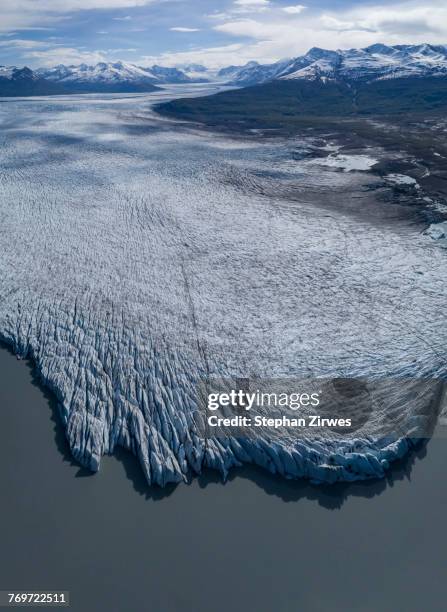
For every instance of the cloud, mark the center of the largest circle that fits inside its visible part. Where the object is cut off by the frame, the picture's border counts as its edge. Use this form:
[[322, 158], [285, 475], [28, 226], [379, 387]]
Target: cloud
[[68, 6], [251, 28], [337, 25], [126, 18], [33, 14], [25, 44], [12, 21], [294, 10], [115, 51], [65, 55], [49, 52], [260, 30], [213, 57], [219, 16], [182, 29], [284, 34], [280, 36], [407, 18], [250, 6], [252, 2]]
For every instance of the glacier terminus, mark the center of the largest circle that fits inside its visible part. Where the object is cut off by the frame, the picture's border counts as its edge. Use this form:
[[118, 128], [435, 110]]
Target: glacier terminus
[[141, 255]]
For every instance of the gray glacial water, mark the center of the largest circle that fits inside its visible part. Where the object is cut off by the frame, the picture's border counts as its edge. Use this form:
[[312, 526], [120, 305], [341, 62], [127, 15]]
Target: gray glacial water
[[256, 543], [139, 255]]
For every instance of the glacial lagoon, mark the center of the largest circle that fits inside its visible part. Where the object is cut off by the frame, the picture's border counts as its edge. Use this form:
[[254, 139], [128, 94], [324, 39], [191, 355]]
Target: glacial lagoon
[[116, 544]]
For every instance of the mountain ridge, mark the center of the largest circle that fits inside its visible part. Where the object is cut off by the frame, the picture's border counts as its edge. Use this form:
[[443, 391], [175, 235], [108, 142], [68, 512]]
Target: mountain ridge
[[114, 72], [25, 82], [286, 105], [103, 77], [375, 63]]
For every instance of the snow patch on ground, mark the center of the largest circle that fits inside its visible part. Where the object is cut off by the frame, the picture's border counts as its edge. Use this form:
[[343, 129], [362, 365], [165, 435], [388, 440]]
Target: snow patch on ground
[[347, 163], [438, 232], [401, 179]]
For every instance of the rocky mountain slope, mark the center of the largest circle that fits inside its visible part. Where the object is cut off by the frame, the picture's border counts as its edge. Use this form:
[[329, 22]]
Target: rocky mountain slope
[[25, 82], [377, 80], [110, 75], [104, 77], [371, 63], [375, 63]]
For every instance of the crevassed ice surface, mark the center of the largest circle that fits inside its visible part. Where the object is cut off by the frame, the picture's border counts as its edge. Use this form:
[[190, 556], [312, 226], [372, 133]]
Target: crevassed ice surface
[[138, 256]]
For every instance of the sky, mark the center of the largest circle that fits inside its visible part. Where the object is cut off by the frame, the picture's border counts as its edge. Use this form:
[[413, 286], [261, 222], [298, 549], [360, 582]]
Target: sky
[[215, 33]]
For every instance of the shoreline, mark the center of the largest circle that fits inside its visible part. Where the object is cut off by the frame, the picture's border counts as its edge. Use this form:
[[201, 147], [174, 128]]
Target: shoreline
[[121, 355], [288, 488], [70, 523]]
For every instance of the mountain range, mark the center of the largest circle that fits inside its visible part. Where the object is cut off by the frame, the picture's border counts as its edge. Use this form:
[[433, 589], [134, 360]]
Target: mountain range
[[371, 64], [378, 80], [25, 82], [111, 74], [104, 77]]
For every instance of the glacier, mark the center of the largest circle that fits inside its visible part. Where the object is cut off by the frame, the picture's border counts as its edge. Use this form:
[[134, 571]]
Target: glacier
[[140, 255]]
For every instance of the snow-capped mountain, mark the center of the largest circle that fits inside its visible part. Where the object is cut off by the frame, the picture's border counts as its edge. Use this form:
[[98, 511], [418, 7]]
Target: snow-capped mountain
[[99, 73], [198, 73], [12, 73], [104, 76], [232, 72], [115, 74], [6, 72], [376, 81], [252, 73], [371, 63], [374, 63], [168, 75], [24, 82]]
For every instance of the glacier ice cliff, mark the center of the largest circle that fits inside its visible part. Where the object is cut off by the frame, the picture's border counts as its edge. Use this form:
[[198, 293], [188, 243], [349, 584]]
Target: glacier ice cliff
[[139, 257]]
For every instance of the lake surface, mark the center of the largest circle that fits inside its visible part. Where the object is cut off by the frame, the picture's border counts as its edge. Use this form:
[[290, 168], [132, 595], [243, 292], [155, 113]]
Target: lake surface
[[255, 543]]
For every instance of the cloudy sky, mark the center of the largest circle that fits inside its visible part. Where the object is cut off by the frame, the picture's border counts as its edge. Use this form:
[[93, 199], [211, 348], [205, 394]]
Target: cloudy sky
[[211, 32]]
